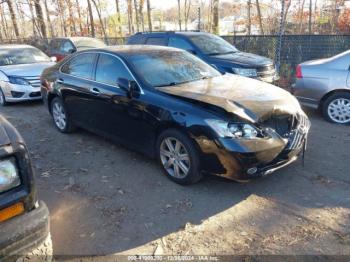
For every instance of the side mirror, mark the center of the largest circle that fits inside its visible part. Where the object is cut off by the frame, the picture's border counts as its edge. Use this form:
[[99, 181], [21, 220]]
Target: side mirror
[[53, 59], [130, 87], [71, 51]]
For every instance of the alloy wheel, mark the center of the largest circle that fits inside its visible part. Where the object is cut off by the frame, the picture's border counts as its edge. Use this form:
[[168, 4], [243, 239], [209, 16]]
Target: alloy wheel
[[175, 158], [339, 110], [59, 115]]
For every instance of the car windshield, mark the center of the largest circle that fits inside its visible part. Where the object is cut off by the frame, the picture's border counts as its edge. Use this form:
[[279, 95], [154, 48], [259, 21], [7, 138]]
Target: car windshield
[[17, 56], [88, 42], [212, 44], [166, 68]]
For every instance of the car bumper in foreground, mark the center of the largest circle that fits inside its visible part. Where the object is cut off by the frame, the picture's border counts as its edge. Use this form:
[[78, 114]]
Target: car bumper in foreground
[[22, 234], [18, 93]]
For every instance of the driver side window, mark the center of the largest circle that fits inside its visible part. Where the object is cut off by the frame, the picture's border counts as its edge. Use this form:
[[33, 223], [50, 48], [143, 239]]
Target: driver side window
[[109, 69]]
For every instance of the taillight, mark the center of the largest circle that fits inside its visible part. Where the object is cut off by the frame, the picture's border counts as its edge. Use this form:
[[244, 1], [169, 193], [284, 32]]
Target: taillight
[[299, 73]]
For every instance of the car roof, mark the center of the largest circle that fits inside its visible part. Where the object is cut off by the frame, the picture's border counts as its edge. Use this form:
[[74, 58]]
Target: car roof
[[15, 46], [133, 49], [74, 38], [184, 33]]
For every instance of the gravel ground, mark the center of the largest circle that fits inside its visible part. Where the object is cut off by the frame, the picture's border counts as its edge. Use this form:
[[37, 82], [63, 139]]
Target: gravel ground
[[106, 199]]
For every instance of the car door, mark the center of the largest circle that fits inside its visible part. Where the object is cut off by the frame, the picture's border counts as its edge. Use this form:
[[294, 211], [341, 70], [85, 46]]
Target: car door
[[119, 116], [75, 80]]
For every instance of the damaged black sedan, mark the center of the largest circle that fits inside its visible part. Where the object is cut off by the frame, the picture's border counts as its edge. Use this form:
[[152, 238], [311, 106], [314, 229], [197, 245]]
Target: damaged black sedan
[[170, 105]]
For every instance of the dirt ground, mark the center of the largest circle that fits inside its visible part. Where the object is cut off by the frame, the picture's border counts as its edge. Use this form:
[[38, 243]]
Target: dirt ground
[[106, 199]]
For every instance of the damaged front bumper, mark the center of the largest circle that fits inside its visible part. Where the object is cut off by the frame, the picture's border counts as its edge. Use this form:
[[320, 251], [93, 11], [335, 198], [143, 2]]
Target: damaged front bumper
[[244, 160]]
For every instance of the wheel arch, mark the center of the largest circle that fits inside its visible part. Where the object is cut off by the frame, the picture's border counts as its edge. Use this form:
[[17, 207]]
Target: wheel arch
[[50, 97], [327, 95]]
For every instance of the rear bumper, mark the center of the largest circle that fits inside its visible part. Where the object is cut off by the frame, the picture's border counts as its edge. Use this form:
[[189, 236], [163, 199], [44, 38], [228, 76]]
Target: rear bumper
[[22, 234]]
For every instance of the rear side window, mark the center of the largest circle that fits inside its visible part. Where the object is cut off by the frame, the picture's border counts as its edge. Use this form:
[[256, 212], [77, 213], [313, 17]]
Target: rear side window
[[109, 68], [80, 66], [179, 43], [66, 47], [55, 44], [156, 41]]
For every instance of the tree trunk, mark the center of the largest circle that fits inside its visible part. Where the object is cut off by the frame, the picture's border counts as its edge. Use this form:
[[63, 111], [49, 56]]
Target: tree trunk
[[215, 16], [92, 26], [4, 22], [259, 16], [179, 13], [249, 2], [52, 32], [118, 18], [13, 17], [301, 16], [40, 18], [149, 16], [136, 16], [79, 16], [130, 17], [187, 12], [142, 2], [310, 17], [34, 25], [100, 18], [288, 3]]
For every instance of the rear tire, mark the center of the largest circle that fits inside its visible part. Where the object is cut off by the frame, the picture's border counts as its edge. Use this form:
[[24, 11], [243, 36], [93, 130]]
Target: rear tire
[[2, 98], [178, 157], [336, 108], [60, 116]]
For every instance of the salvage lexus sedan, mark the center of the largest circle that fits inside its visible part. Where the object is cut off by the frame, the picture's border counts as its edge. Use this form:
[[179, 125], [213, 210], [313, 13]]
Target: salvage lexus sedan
[[20, 70], [171, 105]]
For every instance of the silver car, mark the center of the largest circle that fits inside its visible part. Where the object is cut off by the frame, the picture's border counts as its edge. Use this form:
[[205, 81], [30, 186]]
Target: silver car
[[325, 84], [20, 70]]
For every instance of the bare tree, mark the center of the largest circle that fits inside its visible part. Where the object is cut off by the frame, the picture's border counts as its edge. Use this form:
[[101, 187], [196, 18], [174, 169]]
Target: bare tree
[[73, 29], [149, 16], [142, 2], [4, 25], [130, 17], [92, 25], [40, 18], [136, 16], [52, 32], [301, 16], [118, 17], [179, 13], [215, 16], [13, 17], [249, 16], [100, 18], [187, 11], [259, 16], [79, 16]]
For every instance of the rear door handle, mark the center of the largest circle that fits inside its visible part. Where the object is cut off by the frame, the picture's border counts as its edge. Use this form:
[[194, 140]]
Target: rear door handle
[[59, 81], [95, 91]]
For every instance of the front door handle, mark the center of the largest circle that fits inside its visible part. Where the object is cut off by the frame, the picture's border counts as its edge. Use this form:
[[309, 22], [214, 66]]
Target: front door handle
[[59, 81], [95, 91]]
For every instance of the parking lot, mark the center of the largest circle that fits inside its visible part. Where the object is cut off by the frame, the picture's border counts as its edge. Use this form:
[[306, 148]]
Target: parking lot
[[106, 199]]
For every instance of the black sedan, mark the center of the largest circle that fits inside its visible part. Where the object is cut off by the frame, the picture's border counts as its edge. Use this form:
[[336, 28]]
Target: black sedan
[[168, 104]]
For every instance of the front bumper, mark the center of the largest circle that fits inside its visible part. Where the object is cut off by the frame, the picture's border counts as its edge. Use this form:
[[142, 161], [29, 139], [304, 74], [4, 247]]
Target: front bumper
[[18, 93], [21, 234]]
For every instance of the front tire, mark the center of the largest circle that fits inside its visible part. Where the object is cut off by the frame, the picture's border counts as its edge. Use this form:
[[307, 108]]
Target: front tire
[[60, 116], [336, 108], [178, 156]]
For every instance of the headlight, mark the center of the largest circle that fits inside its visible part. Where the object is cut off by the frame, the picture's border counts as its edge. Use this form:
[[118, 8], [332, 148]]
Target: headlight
[[17, 80], [8, 175], [235, 130], [249, 72]]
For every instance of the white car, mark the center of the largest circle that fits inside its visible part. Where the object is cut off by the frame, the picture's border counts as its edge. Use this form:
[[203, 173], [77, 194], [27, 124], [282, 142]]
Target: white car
[[20, 70]]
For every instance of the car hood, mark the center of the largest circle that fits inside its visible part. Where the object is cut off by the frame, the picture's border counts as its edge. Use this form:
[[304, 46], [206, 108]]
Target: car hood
[[34, 69], [247, 98], [243, 59]]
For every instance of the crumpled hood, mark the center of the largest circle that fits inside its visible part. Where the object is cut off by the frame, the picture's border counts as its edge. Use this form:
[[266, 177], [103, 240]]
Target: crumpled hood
[[26, 69], [242, 58], [247, 98]]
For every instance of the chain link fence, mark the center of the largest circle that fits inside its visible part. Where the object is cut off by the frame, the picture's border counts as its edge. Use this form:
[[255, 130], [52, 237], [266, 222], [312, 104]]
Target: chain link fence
[[295, 48]]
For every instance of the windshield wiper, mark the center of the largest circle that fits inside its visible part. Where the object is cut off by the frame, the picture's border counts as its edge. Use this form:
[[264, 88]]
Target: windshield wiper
[[169, 84]]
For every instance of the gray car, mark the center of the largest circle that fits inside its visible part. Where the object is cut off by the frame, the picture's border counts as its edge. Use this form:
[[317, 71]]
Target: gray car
[[325, 84], [20, 70]]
